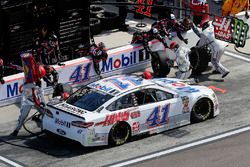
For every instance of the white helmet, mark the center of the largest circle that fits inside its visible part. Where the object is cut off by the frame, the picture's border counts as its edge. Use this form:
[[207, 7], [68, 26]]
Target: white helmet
[[172, 16]]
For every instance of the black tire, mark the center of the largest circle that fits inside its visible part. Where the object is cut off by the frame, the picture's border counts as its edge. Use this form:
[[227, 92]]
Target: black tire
[[109, 20], [159, 64], [119, 134], [95, 26], [199, 59], [202, 110], [94, 10]]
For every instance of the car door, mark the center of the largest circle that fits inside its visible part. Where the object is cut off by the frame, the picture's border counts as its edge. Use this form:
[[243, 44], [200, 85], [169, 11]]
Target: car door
[[120, 109], [158, 109]]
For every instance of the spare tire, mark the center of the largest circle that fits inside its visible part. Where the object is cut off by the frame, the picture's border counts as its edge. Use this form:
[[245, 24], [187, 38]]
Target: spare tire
[[94, 10], [95, 26], [109, 20]]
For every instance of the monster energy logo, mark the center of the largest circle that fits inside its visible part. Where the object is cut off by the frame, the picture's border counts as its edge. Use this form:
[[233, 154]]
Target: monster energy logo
[[239, 32], [231, 30]]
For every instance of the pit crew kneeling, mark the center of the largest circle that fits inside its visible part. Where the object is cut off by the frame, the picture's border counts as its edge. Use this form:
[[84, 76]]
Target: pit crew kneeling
[[181, 57]]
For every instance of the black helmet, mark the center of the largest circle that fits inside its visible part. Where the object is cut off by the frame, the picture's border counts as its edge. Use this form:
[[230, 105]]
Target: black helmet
[[101, 45]]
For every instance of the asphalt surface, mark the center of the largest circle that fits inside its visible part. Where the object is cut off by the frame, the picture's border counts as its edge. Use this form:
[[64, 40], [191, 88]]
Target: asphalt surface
[[230, 152], [47, 150]]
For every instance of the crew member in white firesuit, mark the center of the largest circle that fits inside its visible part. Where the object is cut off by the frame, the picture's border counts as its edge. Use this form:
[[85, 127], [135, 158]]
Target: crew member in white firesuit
[[182, 60], [217, 49], [98, 53], [32, 84]]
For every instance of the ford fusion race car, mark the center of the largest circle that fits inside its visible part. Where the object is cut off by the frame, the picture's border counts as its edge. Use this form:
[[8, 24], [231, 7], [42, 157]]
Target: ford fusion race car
[[111, 110]]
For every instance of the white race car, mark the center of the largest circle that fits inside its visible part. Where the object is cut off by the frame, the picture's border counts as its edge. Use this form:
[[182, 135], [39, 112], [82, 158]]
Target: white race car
[[111, 110]]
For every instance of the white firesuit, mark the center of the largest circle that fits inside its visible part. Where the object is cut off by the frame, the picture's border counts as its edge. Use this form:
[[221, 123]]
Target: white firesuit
[[182, 60], [27, 102], [217, 49]]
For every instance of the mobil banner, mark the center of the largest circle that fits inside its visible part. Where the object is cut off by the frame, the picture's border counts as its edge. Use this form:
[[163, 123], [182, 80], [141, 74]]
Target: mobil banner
[[126, 59]]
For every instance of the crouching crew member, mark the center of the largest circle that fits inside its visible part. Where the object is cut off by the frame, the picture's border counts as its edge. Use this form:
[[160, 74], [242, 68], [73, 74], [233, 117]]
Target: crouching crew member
[[181, 57]]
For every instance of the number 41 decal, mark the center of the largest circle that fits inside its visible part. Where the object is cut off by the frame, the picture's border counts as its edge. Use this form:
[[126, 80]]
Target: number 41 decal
[[159, 116]]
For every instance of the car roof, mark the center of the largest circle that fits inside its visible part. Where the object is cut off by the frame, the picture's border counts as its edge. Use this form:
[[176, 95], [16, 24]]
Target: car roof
[[120, 84]]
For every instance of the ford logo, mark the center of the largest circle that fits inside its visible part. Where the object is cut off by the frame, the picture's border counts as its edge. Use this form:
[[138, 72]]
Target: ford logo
[[61, 132]]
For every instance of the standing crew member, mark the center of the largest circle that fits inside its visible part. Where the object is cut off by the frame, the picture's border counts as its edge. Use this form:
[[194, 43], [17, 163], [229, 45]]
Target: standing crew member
[[122, 16], [232, 7], [181, 57], [1, 71], [32, 83], [49, 52], [217, 49], [98, 53], [199, 7]]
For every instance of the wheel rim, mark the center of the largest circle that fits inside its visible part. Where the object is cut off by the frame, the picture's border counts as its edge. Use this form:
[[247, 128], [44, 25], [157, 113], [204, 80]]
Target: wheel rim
[[120, 133], [203, 109]]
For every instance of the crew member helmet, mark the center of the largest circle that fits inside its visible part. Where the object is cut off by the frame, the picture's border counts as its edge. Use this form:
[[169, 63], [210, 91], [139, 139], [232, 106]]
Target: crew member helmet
[[147, 75], [173, 45], [41, 71], [65, 95]]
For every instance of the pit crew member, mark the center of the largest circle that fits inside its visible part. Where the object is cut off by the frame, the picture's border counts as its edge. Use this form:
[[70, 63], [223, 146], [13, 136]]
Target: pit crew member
[[1, 71], [199, 7], [231, 7], [32, 83], [181, 57], [98, 53], [217, 49]]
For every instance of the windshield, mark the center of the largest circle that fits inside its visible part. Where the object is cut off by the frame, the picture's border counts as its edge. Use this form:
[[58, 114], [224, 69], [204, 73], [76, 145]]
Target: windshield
[[88, 98]]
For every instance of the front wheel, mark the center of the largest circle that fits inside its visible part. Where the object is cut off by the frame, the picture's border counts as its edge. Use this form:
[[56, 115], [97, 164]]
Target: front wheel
[[119, 134], [201, 110], [159, 64]]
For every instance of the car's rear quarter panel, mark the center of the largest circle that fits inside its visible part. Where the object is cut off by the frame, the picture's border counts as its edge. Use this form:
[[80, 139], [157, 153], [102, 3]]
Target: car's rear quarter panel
[[60, 124]]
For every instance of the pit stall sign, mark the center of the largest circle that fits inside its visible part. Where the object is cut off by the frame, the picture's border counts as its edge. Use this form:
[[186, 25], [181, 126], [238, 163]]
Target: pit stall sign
[[126, 59]]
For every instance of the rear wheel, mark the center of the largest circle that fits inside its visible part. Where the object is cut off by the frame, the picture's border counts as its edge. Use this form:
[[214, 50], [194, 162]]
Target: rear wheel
[[119, 134], [201, 110], [159, 64]]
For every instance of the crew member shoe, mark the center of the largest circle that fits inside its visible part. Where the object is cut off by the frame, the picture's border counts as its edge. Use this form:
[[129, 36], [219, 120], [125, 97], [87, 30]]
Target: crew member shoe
[[14, 133], [224, 75], [215, 72]]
